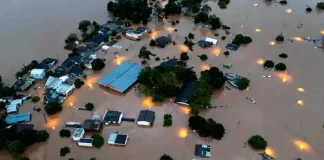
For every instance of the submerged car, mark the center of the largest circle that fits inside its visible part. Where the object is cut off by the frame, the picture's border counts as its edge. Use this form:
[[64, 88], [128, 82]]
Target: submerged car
[[204, 43]]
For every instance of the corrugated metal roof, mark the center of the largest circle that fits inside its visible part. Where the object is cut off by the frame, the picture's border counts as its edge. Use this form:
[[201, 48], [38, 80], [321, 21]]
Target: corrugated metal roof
[[21, 117], [122, 77]]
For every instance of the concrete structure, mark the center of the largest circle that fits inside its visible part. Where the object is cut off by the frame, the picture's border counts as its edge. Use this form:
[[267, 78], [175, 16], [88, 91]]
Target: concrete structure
[[146, 118], [122, 77], [185, 92], [202, 150], [78, 134], [38, 73], [118, 139], [112, 117], [86, 142], [15, 118]]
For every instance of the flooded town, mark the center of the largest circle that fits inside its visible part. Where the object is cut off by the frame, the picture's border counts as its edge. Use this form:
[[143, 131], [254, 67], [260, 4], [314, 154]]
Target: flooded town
[[161, 80]]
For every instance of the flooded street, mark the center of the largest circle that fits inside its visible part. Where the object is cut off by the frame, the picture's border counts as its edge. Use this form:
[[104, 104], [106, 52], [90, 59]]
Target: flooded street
[[290, 104]]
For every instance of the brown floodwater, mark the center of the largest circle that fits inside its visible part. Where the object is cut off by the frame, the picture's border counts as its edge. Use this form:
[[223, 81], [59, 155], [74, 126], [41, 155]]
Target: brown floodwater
[[289, 108]]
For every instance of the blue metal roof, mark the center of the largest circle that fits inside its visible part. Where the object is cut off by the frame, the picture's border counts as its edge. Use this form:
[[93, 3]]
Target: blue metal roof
[[122, 77], [15, 118], [185, 92]]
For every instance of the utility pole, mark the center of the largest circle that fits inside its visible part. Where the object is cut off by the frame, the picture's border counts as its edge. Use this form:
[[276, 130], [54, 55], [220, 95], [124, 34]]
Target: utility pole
[[45, 118]]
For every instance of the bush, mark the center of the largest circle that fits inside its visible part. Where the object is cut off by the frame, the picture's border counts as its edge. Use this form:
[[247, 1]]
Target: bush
[[118, 37], [207, 128], [257, 142], [240, 39], [174, 43], [184, 56], [283, 55], [65, 133], [320, 5], [72, 37], [157, 59], [177, 21], [268, 64], [173, 23], [280, 67], [106, 39], [143, 62], [35, 99], [78, 83], [89, 106], [284, 2], [152, 43], [222, 5], [223, 38], [166, 157], [197, 122], [98, 140], [243, 83], [203, 57], [97, 64], [191, 36], [167, 120], [16, 147], [308, 9], [64, 151], [42, 136], [53, 107], [217, 34], [280, 38], [226, 53]]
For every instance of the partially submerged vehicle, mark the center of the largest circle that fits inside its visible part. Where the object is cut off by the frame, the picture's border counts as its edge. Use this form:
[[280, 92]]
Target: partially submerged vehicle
[[227, 65]]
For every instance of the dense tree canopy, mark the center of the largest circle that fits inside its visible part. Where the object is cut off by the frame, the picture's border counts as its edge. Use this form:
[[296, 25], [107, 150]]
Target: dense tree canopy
[[72, 37], [53, 107], [27, 137], [65, 133], [202, 17], [320, 5], [64, 151], [258, 142], [240, 39], [16, 147], [280, 38], [280, 67], [215, 22], [192, 5], [42, 136], [145, 54], [184, 56], [207, 128], [78, 83], [84, 25], [98, 140], [268, 64], [172, 8], [110, 6], [97, 64], [243, 83], [166, 157], [206, 8], [158, 10], [283, 55], [136, 10], [34, 64]]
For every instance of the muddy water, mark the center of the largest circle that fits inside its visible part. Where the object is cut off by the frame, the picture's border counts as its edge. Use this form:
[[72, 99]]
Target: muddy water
[[292, 130]]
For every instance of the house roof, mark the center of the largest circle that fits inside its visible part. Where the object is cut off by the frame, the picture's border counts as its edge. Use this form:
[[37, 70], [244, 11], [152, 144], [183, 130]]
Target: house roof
[[70, 46], [12, 108], [232, 47], [63, 88], [122, 77], [117, 138], [214, 41], [91, 124], [53, 82], [47, 63], [112, 116], [37, 71], [78, 132], [163, 40], [21, 127], [86, 140], [146, 115], [170, 63], [185, 92], [15, 118], [202, 150]]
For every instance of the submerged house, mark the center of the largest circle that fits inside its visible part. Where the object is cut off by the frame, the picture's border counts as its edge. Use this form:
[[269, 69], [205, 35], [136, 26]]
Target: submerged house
[[37, 73], [116, 26], [60, 85], [23, 84], [112, 117], [170, 63], [134, 35], [70, 66], [146, 118], [91, 125], [52, 96], [47, 63], [185, 92], [122, 77], [162, 41], [202, 150], [14, 105], [78, 134], [118, 139]]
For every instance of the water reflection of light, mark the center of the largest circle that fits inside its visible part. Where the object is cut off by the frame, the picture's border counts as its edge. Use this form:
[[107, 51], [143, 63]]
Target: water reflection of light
[[258, 30], [120, 59], [260, 61], [272, 43], [154, 34], [270, 152], [185, 109], [301, 89], [71, 104], [216, 51], [170, 29], [284, 77], [147, 102], [183, 132], [248, 88], [289, 10], [302, 145], [52, 122], [298, 39], [255, 4], [183, 48], [300, 102], [322, 31], [204, 67]]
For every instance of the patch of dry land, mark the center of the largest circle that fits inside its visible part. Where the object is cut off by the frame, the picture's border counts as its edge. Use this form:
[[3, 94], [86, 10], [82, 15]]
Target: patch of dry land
[[290, 119]]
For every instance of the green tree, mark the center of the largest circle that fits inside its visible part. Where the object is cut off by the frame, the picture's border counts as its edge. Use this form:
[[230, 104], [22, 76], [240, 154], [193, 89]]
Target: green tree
[[191, 36], [192, 5], [93, 158], [280, 38], [217, 129], [226, 53], [309, 9], [280, 67], [27, 137], [243, 83], [197, 122], [240, 39], [166, 157], [89, 106], [172, 8], [184, 56], [72, 37], [110, 6], [320, 5], [223, 3], [145, 54], [78, 83], [84, 25], [258, 142], [65, 133], [16, 147], [42, 136], [152, 43], [98, 140], [97, 64], [283, 55], [35, 99], [215, 22], [268, 64], [64, 151], [201, 18], [53, 107], [167, 120], [158, 10], [206, 8], [203, 57]]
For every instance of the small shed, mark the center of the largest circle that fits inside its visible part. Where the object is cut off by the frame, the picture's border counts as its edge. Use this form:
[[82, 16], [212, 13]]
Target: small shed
[[118, 139], [146, 118], [86, 142], [113, 117], [38, 73], [202, 150], [78, 134], [162, 41]]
